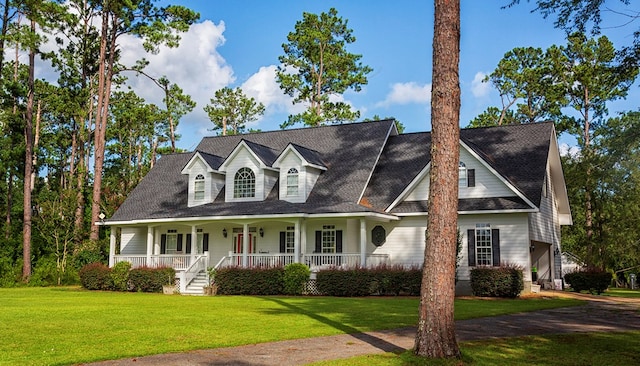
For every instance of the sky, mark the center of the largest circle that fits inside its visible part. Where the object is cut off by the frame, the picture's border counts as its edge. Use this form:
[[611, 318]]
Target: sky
[[237, 44]]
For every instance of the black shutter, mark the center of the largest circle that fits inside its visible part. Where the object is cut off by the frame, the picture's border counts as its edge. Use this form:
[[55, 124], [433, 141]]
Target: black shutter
[[471, 178], [338, 241], [283, 238], [495, 246], [163, 244], [188, 244], [471, 247], [318, 242], [205, 242], [179, 246]]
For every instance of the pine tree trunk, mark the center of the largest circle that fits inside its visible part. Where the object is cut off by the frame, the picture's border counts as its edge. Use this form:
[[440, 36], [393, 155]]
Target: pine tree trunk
[[436, 337]]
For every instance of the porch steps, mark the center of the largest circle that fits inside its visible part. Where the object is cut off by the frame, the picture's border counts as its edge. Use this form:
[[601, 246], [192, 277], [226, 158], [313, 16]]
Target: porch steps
[[196, 287]]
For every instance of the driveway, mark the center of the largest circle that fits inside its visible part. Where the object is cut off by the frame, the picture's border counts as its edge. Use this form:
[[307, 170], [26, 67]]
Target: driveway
[[600, 314]]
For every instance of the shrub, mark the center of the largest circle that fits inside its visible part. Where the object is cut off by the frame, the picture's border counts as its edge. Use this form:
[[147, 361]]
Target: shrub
[[590, 280], [120, 276], [295, 277], [503, 281], [96, 276], [146, 279], [345, 282], [396, 280], [250, 281]]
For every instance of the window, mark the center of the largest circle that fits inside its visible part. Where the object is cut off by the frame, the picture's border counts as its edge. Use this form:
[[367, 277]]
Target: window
[[244, 183], [292, 182], [483, 245], [198, 187], [172, 241], [328, 239], [462, 175], [289, 242]]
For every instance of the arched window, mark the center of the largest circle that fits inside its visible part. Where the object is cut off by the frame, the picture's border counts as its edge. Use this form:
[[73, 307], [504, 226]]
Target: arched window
[[462, 175], [244, 183], [292, 182], [198, 187]]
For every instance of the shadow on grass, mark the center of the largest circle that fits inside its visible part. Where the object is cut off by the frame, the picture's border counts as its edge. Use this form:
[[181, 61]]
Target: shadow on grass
[[354, 332]]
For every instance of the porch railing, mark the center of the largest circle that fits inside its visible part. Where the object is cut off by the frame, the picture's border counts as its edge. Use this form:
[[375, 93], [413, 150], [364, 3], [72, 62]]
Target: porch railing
[[177, 261], [198, 265], [314, 261], [257, 260]]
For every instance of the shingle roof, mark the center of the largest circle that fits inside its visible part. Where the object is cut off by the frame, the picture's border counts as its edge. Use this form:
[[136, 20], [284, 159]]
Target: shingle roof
[[518, 153]]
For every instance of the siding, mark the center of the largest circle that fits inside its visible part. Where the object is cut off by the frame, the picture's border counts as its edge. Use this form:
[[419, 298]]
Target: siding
[[291, 160], [133, 240], [244, 159], [544, 225], [405, 241], [487, 183]]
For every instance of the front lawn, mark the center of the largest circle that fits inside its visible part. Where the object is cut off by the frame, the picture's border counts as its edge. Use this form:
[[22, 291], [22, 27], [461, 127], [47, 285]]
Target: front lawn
[[594, 349], [622, 292], [41, 326]]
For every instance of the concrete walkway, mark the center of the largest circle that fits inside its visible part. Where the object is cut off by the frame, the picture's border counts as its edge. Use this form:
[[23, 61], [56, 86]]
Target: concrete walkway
[[601, 314]]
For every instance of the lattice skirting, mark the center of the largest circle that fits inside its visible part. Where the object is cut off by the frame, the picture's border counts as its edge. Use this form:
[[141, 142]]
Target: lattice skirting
[[311, 288]]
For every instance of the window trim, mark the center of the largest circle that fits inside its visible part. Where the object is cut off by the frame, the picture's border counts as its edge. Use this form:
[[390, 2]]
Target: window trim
[[244, 183], [462, 174], [199, 187], [484, 244], [329, 242], [293, 182]]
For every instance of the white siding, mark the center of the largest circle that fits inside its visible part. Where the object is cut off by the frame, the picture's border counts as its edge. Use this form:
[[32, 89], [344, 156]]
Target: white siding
[[243, 159], [544, 225], [291, 160], [487, 184], [133, 240], [405, 241], [213, 183]]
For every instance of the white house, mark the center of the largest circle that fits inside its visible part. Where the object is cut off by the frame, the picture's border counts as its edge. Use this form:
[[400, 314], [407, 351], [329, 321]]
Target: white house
[[347, 195]]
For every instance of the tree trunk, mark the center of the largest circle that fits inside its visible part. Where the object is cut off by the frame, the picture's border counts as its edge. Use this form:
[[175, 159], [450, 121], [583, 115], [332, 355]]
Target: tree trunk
[[436, 337], [28, 165]]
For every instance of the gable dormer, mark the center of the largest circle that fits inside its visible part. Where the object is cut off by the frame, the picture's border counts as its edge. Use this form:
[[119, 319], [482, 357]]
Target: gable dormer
[[249, 172], [299, 169], [205, 180]]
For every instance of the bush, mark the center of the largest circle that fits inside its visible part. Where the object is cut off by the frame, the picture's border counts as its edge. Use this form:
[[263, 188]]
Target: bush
[[590, 280], [120, 276], [146, 279], [295, 277], [345, 282], [503, 281], [396, 280], [250, 281], [96, 276]]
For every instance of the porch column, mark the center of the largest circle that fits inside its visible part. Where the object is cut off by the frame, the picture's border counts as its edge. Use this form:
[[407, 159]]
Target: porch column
[[303, 239], [296, 242], [363, 242], [194, 240], [112, 247], [245, 245], [150, 230]]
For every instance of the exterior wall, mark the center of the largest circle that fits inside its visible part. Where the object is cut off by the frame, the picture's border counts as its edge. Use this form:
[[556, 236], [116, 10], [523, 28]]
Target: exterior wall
[[213, 183], [487, 183], [241, 160], [291, 160], [133, 240], [405, 241]]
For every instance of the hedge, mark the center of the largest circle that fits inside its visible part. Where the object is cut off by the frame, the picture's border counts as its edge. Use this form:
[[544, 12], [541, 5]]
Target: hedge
[[96, 276], [250, 281], [147, 279], [504, 281], [591, 280]]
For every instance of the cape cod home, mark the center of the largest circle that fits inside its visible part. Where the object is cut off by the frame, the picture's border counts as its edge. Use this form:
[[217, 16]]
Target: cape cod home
[[344, 195]]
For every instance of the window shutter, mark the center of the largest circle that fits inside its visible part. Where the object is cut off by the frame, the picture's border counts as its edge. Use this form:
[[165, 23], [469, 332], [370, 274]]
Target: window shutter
[[163, 244], [318, 242], [495, 246], [179, 246], [282, 241], [471, 177], [205, 242], [338, 241], [471, 247], [188, 244]]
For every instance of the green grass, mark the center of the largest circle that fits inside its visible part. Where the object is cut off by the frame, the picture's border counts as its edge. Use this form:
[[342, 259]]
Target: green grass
[[45, 326], [594, 349], [622, 292]]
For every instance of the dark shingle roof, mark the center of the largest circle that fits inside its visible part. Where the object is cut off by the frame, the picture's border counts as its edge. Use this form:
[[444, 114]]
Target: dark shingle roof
[[311, 156], [213, 160], [467, 204], [266, 154]]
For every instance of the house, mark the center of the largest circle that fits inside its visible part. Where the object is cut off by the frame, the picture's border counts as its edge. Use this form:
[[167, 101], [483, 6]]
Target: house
[[346, 195]]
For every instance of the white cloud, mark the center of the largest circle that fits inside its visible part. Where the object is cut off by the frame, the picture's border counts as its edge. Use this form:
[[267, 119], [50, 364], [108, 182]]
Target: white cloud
[[265, 89], [478, 87], [407, 93], [567, 150]]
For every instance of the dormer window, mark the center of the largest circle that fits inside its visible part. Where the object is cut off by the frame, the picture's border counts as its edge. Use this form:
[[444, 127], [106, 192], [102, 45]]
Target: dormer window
[[462, 175], [292, 182], [244, 183], [198, 188]]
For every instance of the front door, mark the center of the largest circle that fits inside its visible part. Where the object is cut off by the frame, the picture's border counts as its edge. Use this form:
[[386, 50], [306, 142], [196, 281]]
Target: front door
[[238, 246]]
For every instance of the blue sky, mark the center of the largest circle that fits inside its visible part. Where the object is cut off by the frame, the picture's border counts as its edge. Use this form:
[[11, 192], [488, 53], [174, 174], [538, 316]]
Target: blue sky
[[237, 43]]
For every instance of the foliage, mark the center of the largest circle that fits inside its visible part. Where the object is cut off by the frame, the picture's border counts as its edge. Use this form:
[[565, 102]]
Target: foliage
[[96, 276], [590, 280], [147, 279], [396, 280], [250, 281], [295, 277], [316, 67], [504, 281], [230, 110], [345, 282], [120, 276]]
